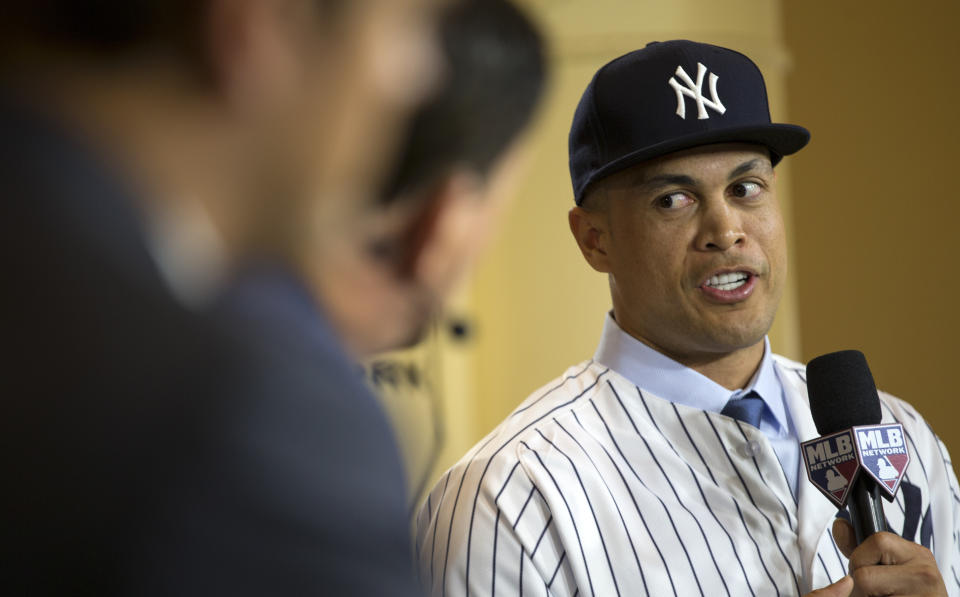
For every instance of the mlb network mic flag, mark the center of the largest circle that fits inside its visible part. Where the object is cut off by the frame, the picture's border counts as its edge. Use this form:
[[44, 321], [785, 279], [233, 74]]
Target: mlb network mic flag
[[834, 461]]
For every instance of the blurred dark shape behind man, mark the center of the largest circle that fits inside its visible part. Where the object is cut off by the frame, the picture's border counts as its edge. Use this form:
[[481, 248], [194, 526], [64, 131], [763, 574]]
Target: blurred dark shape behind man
[[143, 145]]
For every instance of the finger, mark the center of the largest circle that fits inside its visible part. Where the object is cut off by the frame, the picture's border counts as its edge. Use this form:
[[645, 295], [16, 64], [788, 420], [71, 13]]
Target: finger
[[919, 579], [841, 588], [844, 536], [888, 549]]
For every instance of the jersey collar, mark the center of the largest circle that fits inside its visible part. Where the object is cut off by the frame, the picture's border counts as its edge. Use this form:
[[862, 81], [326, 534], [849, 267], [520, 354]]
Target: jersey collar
[[660, 375]]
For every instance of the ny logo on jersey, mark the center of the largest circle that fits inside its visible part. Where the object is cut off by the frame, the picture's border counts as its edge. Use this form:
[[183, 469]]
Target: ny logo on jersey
[[695, 90], [917, 524]]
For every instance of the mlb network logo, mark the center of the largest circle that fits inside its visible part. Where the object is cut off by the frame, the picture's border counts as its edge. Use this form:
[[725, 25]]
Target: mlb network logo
[[882, 453], [834, 461]]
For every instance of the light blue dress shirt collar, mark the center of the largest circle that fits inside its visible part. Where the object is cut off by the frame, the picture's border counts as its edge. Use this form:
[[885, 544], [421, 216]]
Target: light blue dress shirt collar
[[660, 375]]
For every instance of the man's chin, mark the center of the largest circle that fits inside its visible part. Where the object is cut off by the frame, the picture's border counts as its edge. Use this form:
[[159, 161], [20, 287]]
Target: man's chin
[[415, 330], [735, 338], [412, 337], [420, 317]]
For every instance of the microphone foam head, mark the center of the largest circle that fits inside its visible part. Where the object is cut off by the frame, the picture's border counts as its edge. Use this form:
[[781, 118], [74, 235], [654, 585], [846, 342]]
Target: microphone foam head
[[842, 392]]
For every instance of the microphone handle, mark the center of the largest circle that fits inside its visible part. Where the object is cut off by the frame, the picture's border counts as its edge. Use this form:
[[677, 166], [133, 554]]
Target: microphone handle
[[866, 508]]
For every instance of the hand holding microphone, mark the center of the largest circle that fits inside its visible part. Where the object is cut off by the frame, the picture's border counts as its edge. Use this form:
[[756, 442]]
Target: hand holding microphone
[[854, 463], [887, 564]]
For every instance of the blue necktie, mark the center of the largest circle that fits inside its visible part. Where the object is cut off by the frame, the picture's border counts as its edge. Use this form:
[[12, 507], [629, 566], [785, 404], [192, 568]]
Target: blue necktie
[[747, 409]]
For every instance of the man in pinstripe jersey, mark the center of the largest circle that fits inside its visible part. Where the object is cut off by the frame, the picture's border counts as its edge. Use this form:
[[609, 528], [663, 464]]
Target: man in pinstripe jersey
[[633, 472]]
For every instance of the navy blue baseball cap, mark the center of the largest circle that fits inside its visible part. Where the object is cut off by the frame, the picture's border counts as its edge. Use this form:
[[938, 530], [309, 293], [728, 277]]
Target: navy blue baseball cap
[[666, 97]]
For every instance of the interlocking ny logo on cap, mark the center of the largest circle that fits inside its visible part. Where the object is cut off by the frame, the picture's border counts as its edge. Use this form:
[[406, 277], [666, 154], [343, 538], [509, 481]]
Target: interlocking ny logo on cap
[[695, 90]]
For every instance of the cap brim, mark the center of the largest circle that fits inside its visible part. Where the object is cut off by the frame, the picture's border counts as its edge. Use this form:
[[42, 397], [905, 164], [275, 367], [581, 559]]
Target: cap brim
[[781, 139]]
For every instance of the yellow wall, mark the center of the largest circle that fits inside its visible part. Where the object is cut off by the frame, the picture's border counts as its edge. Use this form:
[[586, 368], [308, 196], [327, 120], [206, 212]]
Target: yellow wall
[[877, 206]]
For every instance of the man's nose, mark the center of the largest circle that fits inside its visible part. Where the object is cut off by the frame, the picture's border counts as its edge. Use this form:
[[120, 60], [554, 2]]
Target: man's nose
[[721, 227]]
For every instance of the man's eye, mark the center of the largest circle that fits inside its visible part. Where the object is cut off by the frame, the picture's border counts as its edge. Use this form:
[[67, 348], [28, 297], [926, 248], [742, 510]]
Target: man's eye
[[673, 201], [746, 190]]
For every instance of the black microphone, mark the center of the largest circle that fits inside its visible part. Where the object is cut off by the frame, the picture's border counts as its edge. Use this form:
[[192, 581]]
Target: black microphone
[[857, 460]]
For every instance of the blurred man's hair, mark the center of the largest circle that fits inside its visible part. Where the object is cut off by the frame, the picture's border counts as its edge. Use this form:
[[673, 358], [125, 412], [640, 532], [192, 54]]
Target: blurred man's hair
[[104, 27], [113, 29], [495, 74]]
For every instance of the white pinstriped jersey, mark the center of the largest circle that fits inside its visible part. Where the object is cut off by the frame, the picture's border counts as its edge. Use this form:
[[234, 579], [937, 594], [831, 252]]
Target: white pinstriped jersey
[[594, 487]]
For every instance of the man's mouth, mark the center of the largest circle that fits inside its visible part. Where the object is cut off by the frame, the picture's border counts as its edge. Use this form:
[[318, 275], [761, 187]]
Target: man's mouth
[[727, 282]]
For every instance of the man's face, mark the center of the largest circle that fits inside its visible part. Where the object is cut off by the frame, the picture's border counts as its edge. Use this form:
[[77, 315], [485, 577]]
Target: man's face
[[695, 247], [382, 304]]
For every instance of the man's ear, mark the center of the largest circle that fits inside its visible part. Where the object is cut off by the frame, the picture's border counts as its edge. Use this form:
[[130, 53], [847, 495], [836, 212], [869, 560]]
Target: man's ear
[[445, 230], [589, 229]]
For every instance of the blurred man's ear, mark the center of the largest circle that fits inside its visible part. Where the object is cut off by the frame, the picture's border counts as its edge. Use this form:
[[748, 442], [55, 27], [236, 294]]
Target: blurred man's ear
[[590, 231], [445, 231], [458, 218]]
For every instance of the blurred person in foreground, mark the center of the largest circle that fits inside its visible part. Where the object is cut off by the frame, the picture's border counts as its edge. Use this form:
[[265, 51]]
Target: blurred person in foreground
[[145, 147], [458, 168]]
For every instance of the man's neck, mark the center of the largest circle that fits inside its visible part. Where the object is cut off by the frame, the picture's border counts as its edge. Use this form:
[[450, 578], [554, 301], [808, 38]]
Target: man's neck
[[732, 370]]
